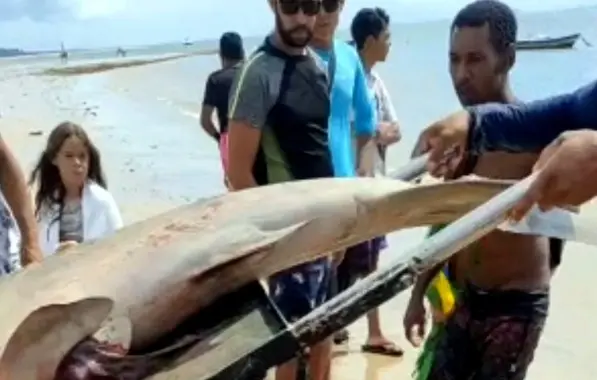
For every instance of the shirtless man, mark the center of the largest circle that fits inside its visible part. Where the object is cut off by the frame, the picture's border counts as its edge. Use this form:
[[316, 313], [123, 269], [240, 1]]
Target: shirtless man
[[504, 278]]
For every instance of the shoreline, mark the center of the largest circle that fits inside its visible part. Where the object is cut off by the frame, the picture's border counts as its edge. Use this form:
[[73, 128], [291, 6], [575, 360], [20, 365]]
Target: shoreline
[[118, 63]]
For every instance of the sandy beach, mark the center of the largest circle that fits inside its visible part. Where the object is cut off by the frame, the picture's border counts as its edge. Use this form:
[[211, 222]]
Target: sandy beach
[[157, 157]]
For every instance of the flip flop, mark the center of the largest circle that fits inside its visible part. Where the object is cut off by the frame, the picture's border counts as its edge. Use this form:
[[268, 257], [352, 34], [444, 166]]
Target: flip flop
[[388, 349]]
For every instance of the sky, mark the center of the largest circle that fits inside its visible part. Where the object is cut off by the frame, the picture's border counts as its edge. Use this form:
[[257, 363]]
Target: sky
[[44, 24]]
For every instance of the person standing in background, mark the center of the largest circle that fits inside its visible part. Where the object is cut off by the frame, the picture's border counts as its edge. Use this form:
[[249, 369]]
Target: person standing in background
[[72, 201], [14, 190], [351, 97], [371, 36], [217, 90]]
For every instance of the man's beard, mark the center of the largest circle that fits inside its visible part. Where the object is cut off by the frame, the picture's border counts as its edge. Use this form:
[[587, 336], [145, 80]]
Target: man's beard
[[287, 35]]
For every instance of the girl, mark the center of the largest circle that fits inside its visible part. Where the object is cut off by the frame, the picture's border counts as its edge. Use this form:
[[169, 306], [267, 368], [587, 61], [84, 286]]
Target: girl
[[72, 203]]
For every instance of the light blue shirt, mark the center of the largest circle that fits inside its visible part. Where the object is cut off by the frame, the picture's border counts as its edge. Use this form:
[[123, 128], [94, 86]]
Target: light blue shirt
[[350, 95]]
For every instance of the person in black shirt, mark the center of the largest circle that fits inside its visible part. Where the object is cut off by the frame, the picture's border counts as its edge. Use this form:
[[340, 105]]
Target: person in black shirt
[[217, 89]]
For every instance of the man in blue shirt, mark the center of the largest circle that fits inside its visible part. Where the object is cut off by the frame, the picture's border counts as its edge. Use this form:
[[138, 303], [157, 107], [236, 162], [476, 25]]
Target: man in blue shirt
[[350, 96], [351, 100]]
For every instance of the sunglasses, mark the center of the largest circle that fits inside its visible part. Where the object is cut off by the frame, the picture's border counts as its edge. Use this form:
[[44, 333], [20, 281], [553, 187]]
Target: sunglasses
[[292, 7], [309, 7], [330, 6]]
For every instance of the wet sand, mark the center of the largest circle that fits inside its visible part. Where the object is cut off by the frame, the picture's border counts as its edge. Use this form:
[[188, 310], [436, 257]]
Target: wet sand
[[156, 158]]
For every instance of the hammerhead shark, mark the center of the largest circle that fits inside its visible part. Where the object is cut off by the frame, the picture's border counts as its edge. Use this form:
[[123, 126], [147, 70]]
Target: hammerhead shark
[[60, 318]]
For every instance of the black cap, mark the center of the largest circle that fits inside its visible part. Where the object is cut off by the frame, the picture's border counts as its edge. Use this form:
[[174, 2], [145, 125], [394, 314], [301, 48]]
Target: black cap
[[231, 46]]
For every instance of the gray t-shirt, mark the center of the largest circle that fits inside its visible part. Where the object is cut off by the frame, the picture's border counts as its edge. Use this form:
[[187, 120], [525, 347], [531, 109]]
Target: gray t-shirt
[[71, 222]]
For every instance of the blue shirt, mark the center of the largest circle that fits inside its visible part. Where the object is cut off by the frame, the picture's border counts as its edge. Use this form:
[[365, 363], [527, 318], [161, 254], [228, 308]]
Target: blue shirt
[[350, 95], [534, 125]]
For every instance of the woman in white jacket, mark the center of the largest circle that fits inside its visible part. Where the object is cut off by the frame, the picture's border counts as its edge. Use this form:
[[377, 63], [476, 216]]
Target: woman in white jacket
[[72, 203]]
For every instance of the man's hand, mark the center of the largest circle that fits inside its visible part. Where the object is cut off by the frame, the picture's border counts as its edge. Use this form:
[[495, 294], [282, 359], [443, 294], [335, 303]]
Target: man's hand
[[30, 253], [568, 172], [414, 321], [445, 136], [388, 133]]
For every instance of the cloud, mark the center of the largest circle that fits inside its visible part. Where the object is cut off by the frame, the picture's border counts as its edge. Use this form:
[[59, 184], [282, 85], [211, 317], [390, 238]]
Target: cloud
[[59, 10], [88, 9], [36, 10]]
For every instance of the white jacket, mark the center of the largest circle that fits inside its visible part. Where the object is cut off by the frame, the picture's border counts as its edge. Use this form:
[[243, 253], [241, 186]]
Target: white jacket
[[101, 218]]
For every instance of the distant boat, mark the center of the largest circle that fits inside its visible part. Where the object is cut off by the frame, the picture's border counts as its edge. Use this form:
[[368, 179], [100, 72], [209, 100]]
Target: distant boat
[[187, 43], [541, 43]]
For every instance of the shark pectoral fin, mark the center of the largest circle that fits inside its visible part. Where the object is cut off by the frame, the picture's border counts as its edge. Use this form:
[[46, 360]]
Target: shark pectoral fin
[[273, 236], [40, 342], [249, 239]]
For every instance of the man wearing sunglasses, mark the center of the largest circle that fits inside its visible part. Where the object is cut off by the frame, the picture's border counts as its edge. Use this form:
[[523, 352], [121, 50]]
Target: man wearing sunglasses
[[351, 97], [279, 108], [352, 111]]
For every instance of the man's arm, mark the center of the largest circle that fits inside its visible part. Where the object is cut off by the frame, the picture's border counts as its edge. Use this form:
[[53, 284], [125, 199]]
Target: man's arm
[[249, 104], [532, 126], [14, 188], [388, 113], [207, 122], [388, 130], [364, 123], [207, 109], [424, 280]]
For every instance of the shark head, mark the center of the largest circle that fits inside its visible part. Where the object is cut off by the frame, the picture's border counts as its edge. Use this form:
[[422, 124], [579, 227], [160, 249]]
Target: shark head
[[38, 345]]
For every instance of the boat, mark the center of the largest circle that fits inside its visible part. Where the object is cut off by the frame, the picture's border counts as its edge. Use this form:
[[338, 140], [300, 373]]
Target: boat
[[544, 43]]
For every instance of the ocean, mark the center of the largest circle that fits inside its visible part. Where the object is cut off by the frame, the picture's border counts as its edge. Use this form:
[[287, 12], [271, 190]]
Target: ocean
[[416, 72]]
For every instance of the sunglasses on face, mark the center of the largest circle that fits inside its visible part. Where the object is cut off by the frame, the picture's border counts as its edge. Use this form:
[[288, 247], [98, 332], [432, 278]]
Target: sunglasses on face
[[330, 6], [292, 7], [309, 7]]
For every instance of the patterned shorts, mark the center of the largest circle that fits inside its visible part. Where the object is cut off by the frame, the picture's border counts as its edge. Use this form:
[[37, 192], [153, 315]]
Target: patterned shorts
[[491, 336], [301, 289]]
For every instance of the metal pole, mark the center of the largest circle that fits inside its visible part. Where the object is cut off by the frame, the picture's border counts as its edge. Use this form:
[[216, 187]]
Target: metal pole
[[379, 287]]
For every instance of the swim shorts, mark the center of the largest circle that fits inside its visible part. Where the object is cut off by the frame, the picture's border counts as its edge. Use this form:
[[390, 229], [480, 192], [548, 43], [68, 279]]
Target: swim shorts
[[301, 289], [491, 335]]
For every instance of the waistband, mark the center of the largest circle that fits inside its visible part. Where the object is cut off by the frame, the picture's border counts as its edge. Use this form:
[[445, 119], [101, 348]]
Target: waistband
[[510, 302]]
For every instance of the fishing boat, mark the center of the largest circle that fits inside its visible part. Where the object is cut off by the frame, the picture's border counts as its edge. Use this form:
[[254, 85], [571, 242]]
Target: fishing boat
[[543, 43]]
